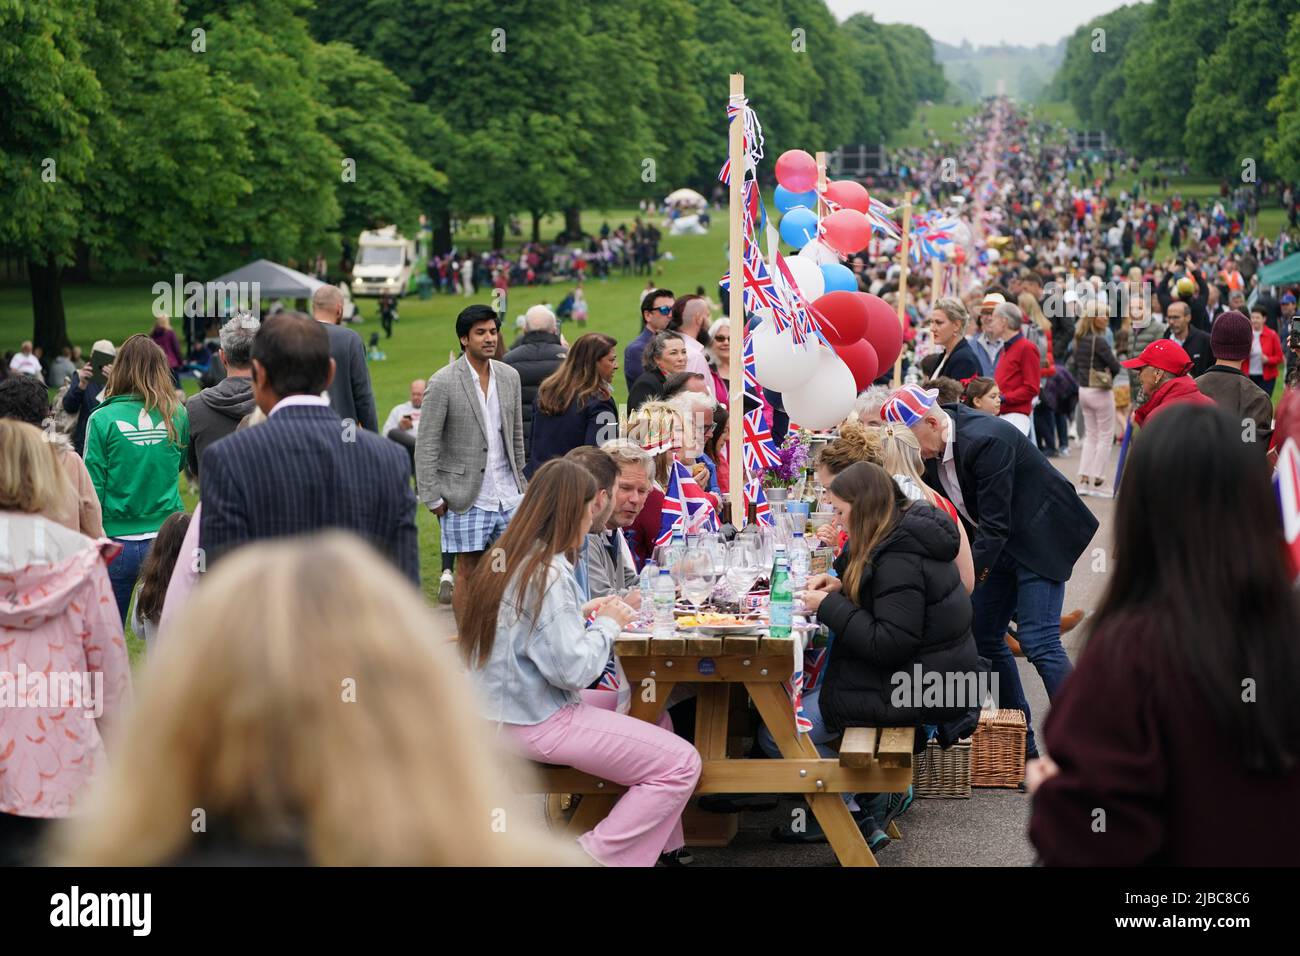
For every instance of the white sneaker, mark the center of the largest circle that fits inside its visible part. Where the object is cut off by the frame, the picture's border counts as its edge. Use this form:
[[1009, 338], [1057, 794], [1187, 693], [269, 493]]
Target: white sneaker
[[444, 587]]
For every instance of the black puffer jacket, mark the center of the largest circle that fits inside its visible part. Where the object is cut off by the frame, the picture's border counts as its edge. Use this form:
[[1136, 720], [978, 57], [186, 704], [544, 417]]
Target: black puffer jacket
[[535, 356], [911, 608]]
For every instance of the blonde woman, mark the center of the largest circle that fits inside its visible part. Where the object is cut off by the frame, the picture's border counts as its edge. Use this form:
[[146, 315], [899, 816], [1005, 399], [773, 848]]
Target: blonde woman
[[58, 620], [135, 449], [857, 441], [1094, 365], [339, 735], [901, 458], [658, 428]]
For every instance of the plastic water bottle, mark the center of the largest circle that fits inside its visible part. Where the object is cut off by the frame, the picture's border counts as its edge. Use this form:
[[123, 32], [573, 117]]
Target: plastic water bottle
[[665, 596], [781, 606], [800, 562], [778, 556], [676, 548]]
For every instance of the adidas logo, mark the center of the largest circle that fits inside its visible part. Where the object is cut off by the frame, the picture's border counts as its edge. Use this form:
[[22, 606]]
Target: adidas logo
[[144, 432]]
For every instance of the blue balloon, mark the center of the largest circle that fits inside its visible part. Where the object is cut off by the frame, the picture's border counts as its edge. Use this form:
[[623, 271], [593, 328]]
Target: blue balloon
[[786, 200], [839, 278], [799, 226]]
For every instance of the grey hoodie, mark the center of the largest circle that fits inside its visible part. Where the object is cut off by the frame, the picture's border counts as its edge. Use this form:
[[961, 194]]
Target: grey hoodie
[[216, 412]]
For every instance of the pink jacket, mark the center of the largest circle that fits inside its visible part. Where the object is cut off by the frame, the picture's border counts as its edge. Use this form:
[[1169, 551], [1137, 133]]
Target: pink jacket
[[64, 672]]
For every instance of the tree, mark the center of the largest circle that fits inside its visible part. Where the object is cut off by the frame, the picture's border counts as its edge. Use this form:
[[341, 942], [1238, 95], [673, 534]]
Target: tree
[[370, 117], [45, 147], [1283, 150], [1229, 120], [1169, 50]]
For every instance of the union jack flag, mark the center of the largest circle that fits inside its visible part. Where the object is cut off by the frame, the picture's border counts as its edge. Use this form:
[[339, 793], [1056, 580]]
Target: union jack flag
[[1286, 480], [762, 510], [752, 390], [686, 506], [760, 451], [759, 291], [879, 214], [814, 662]]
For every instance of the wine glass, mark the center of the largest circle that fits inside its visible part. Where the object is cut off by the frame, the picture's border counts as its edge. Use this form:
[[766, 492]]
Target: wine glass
[[697, 577], [741, 567]]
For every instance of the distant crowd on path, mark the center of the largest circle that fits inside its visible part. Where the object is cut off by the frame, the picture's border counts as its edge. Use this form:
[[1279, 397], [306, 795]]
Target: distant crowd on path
[[622, 250]]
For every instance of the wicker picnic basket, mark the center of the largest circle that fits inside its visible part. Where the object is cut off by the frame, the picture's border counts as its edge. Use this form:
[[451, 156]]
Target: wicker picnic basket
[[942, 774], [998, 749]]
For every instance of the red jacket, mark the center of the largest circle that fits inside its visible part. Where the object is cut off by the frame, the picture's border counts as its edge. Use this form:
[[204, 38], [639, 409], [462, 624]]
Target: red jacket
[[1272, 346], [1018, 375], [1173, 392]]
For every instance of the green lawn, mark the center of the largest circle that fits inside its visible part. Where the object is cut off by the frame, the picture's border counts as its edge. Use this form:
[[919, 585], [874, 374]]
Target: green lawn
[[425, 335], [931, 121]]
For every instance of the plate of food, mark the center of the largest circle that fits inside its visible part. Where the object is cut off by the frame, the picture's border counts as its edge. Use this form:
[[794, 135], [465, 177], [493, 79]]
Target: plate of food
[[710, 622]]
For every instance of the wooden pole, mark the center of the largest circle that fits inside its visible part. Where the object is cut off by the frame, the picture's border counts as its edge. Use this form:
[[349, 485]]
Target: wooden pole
[[736, 310], [821, 184], [904, 252], [936, 271]]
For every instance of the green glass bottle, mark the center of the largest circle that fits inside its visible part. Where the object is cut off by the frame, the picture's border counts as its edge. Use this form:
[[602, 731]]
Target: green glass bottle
[[781, 606]]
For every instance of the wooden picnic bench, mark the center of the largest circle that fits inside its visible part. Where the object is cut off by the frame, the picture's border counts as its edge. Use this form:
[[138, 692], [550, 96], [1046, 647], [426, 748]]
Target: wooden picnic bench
[[870, 760]]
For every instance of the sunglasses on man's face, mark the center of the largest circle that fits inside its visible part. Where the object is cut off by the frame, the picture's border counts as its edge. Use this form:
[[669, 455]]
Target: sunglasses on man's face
[[663, 310]]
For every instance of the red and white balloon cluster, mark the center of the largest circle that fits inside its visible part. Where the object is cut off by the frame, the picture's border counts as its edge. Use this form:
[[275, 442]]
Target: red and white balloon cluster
[[818, 385]]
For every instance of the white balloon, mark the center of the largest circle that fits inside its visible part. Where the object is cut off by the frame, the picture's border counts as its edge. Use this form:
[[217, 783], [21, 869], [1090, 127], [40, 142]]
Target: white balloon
[[825, 399], [807, 276], [778, 365], [819, 252]]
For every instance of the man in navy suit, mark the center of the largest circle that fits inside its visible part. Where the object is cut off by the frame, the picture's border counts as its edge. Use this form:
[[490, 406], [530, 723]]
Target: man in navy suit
[[304, 469], [1030, 527]]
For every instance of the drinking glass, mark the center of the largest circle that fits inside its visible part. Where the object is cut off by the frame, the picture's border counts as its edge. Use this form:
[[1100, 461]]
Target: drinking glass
[[697, 577]]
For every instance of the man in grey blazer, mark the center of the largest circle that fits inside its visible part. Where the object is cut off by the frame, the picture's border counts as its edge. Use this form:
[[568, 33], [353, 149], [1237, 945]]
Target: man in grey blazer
[[350, 393], [469, 451], [611, 568]]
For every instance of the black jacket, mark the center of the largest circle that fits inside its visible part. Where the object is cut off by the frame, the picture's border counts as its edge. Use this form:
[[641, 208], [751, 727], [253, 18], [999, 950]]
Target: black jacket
[[910, 609], [1197, 348], [648, 388], [535, 356], [960, 364], [81, 402], [1016, 499], [350, 393], [1092, 352]]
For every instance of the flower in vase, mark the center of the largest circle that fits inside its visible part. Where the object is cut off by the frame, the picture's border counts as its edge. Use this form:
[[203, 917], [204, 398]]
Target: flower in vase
[[794, 457]]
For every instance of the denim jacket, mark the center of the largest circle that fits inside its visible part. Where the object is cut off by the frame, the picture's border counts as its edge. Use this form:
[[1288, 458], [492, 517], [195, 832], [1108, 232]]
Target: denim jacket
[[538, 665]]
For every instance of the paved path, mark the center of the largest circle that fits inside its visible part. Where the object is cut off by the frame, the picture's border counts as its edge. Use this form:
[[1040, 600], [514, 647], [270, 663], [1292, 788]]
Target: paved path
[[987, 830]]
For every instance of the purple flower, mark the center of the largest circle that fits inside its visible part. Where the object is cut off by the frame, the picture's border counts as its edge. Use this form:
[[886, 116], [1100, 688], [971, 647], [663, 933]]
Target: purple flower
[[793, 454]]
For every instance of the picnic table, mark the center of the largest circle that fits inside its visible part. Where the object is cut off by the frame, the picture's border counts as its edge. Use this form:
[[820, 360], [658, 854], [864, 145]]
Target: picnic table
[[870, 760]]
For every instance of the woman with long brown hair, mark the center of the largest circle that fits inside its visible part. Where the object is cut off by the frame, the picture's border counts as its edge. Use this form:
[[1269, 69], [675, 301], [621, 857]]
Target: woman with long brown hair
[[526, 640], [575, 404], [339, 736], [898, 604], [135, 449]]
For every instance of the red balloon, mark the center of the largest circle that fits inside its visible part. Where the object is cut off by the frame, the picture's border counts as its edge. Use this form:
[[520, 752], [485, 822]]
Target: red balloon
[[796, 171], [846, 231], [844, 316], [861, 359], [848, 194], [883, 329]]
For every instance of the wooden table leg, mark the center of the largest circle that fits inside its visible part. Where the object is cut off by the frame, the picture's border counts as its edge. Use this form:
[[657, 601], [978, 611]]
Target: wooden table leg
[[711, 715], [649, 710], [837, 823]]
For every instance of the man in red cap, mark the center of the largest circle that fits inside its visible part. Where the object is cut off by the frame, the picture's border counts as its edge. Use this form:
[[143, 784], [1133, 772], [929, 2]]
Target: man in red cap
[[1162, 372]]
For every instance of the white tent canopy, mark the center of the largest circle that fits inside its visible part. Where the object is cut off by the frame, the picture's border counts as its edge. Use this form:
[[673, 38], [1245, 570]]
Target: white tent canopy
[[685, 197], [269, 280]]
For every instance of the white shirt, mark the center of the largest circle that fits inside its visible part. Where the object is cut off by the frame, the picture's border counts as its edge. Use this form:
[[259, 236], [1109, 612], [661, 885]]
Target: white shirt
[[500, 491], [395, 416], [695, 360], [290, 400], [948, 472], [26, 364], [1256, 355]]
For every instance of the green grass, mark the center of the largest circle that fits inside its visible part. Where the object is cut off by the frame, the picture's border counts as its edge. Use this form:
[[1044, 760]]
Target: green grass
[[425, 335], [932, 121]]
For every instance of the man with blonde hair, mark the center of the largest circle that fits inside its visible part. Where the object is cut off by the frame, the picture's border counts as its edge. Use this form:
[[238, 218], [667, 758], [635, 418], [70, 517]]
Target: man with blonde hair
[[611, 568]]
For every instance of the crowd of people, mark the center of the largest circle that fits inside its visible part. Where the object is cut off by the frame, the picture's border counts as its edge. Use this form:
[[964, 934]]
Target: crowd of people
[[343, 735]]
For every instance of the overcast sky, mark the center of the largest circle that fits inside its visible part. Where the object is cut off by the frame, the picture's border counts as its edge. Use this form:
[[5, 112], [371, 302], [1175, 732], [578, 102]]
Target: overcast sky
[[1018, 22]]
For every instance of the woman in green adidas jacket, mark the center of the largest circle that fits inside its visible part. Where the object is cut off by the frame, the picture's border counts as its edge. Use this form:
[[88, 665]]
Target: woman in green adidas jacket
[[135, 448]]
